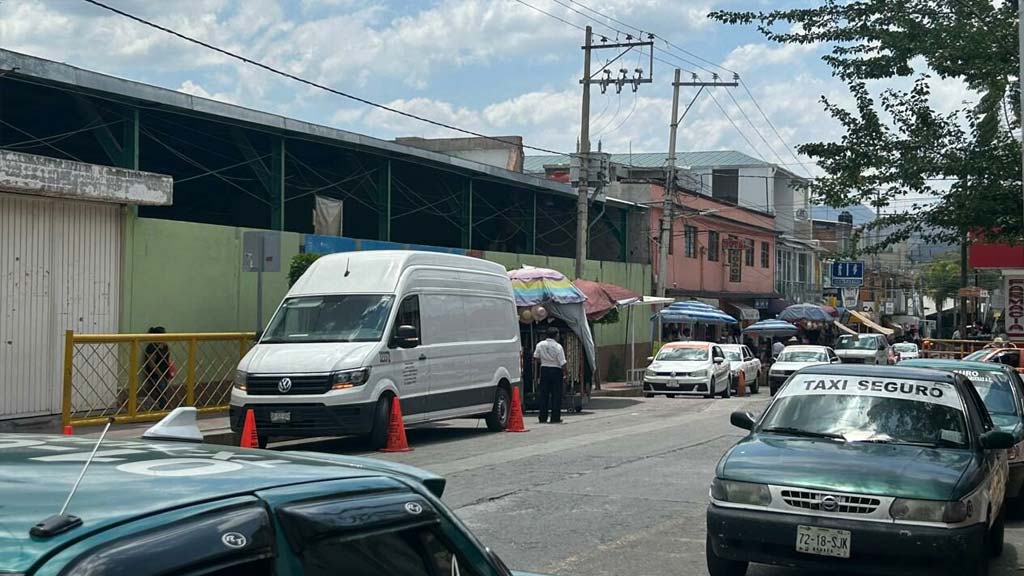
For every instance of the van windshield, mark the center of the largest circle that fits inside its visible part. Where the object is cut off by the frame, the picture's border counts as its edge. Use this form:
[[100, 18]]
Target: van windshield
[[334, 318]]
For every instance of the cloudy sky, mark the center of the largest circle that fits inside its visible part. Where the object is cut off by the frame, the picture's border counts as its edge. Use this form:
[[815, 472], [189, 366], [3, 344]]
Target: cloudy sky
[[492, 66]]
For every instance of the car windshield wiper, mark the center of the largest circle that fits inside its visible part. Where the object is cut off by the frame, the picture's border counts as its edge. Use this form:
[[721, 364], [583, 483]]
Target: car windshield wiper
[[801, 432], [921, 443]]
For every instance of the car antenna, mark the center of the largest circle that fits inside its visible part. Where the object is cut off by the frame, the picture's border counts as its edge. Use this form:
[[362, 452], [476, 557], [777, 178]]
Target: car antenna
[[347, 262], [62, 522]]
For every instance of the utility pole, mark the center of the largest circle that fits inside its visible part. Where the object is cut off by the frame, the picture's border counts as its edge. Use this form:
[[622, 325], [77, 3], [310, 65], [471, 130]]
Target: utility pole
[[583, 194], [582, 155], [668, 202]]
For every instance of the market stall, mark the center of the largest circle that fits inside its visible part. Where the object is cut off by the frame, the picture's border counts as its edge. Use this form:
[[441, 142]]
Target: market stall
[[546, 298]]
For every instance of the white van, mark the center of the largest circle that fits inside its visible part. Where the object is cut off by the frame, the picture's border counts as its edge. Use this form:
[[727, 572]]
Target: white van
[[439, 331]]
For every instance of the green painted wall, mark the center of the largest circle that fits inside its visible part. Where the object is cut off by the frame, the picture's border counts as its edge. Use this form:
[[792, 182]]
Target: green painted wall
[[188, 277]]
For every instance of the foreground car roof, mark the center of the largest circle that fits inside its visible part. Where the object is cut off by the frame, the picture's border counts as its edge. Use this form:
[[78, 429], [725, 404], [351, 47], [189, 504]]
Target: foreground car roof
[[949, 364], [137, 478], [872, 371]]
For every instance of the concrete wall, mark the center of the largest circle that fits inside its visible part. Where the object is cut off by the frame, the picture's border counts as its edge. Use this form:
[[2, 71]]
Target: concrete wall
[[188, 277]]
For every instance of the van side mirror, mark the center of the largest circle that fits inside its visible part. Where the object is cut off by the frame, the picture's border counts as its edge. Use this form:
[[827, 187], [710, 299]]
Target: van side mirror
[[996, 440], [406, 337], [743, 420]]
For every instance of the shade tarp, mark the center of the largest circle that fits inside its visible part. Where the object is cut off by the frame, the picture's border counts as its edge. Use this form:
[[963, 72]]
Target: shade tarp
[[862, 319], [603, 297], [532, 286], [844, 328], [806, 312], [743, 312], [771, 329], [573, 315]]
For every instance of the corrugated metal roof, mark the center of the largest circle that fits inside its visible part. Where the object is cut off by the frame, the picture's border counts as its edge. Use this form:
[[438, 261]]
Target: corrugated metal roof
[[701, 159]]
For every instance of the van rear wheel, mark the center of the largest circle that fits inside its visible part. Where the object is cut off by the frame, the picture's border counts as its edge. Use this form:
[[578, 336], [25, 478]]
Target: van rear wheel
[[497, 418], [378, 437]]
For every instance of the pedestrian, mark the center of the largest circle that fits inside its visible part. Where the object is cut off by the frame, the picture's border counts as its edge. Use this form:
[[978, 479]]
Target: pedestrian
[[777, 348], [550, 355], [956, 334], [686, 335], [159, 368]]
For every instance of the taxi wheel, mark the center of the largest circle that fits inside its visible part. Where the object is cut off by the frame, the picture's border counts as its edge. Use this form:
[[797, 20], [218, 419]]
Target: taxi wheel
[[381, 415], [497, 418], [995, 534], [648, 395], [727, 393], [718, 566], [711, 389], [754, 384]]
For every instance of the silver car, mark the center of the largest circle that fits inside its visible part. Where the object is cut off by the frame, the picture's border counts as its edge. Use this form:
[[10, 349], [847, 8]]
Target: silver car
[[864, 349]]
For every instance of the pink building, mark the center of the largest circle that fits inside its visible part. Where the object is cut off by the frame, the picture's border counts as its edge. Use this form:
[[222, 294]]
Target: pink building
[[720, 252]]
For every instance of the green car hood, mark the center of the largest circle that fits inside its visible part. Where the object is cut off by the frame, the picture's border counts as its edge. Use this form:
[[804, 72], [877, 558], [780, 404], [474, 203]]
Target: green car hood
[[857, 467]]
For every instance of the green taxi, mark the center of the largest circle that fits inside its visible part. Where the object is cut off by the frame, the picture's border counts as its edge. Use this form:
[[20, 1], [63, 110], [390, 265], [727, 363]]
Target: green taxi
[[863, 469], [162, 506], [1002, 390]]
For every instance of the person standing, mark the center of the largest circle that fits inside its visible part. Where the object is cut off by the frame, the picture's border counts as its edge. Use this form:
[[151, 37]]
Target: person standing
[[551, 357], [777, 348]]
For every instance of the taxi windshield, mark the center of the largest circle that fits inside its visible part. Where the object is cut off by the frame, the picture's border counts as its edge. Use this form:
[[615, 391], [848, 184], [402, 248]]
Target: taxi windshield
[[995, 389], [802, 356], [855, 343], [905, 412], [733, 356], [335, 318], [682, 354], [978, 355]]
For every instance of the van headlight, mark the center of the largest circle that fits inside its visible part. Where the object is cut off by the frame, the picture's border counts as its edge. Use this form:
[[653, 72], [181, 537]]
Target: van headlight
[[349, 378], [241, 378], [740, 492], [929, 511]]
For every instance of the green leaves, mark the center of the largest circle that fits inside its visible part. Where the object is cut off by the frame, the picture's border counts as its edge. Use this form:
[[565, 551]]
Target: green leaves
[[299, 264], [895, 144]]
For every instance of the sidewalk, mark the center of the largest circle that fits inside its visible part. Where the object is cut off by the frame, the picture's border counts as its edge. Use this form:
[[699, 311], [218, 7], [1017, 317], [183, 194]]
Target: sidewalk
[[616, 390]]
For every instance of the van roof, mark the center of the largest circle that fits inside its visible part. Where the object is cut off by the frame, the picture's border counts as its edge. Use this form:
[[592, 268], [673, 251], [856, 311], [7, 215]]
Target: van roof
[[132, 479], [378, 271]]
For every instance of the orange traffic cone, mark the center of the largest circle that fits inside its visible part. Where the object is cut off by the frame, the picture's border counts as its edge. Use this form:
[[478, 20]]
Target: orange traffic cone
[[741, 385], [249, 437], [69, 431], [515, 417], [396, 430]]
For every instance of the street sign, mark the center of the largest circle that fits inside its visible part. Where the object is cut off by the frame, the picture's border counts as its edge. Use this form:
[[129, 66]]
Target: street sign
[[261, 252], [850, 296], [847, 274]]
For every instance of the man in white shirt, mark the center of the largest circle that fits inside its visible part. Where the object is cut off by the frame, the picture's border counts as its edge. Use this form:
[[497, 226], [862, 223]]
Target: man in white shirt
[[777, 348], [550, 356]]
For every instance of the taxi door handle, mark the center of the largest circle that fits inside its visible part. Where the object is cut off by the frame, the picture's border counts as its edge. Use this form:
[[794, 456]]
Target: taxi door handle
[[423, 356]]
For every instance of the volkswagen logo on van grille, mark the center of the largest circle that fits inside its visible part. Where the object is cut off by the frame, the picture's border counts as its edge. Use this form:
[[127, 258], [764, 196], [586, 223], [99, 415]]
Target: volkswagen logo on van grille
[[284, 385], [829, 504]]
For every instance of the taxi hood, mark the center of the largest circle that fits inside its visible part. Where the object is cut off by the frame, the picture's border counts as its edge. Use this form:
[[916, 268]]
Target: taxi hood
[[299, 358], [794, 366], [861, 468]]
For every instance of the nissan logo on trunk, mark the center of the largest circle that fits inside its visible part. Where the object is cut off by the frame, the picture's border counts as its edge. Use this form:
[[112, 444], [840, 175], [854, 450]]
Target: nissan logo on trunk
[[284, 385]]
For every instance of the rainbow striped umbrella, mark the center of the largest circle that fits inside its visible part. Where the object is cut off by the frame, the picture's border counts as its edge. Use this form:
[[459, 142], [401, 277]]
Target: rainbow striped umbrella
[[538, 285]]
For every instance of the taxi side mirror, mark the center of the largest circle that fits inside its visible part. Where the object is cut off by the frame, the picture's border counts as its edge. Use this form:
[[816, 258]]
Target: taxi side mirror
[[650, 358], [719, 359], [996, 440], [743, 420]]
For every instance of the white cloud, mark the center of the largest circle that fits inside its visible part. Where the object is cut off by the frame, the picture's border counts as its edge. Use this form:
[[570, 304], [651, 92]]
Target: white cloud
[[753, 56]]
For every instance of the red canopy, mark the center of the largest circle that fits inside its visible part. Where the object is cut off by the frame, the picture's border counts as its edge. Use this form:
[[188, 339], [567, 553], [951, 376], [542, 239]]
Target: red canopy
[[602, 297]]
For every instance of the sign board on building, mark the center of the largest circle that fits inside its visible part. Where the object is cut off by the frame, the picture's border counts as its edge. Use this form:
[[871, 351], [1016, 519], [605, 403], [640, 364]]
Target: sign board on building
[[847, 274], [868, 306], [1015, 307], [850, 297], [890, 308], [761, 303], [972, 292]]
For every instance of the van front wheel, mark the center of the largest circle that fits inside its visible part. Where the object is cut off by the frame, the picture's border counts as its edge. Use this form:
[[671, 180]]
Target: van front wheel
[[497, 418], [381, 416]]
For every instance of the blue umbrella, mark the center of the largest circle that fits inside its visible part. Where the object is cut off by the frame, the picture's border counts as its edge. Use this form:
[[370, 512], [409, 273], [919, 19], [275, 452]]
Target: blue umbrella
[[695, 311], [771, 329], [807, 312]]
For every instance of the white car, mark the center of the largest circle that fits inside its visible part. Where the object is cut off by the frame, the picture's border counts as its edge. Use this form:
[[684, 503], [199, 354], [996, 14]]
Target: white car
[[865, 349], [906, 351], [742, 360], [688, 367], [793, 358]]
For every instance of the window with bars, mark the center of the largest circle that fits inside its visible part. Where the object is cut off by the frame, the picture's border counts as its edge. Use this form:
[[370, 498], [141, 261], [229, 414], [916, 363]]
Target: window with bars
[[690, 237], [748, 251], [765, 255], [713, 246]]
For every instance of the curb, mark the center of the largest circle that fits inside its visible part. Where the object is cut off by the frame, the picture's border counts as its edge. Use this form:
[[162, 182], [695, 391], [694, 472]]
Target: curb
[[617, 393]]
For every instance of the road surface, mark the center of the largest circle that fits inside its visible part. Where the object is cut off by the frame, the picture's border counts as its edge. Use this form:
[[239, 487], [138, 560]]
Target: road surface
[[619, 489]]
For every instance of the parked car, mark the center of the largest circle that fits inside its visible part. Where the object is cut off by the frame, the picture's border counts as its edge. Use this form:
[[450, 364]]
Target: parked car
[[868, 469], [1002, 391], [742, 360], [864, 349], [797, 357], [688, 367], [906, 351], [437, 331], [1005, 355], [223, 511]]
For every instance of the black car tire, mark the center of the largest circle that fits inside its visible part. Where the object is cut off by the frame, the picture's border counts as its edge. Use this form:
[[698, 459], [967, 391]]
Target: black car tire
[[711, 389], [727, 393], [995, 534], [772, 388], [378, 437], [755, 384], [497, 418], [648, 395], [718, 566]]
